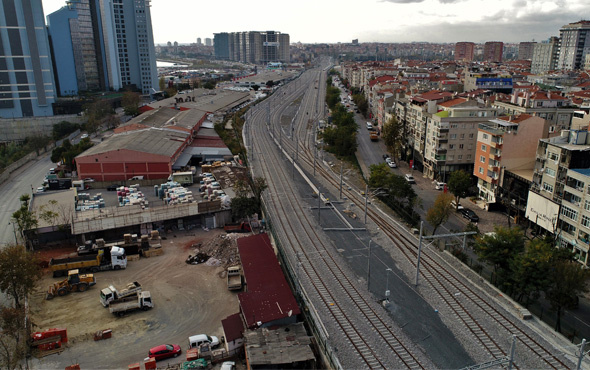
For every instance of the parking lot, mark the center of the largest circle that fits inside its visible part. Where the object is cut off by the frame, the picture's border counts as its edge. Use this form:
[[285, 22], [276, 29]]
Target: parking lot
[[188, 300]]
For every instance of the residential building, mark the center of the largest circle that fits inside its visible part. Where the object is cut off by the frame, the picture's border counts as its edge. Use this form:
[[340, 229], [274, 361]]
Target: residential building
[[545, 55], [451, 135], [486, 79], [199, 42], [253, 47], [492, 51], [548, 105], [506, 144], [573, 227], [208, 42], [575, 44], [464, 51], [27, 86], [525, 50], [221, 45], [127, 43], [78, 66]]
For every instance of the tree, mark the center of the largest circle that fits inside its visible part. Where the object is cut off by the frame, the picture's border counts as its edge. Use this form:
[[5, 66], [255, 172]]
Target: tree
[[255, 87], [49, 213], [130, 102], [242, 207], [13, 337], [500, 248], [23, 218], [459, 183], [62, 129], [258, 187], [392, 136], [162, 83], [530, 270], [97, 112], [210, 85], [19, 272], [568, 279], [439, 213]]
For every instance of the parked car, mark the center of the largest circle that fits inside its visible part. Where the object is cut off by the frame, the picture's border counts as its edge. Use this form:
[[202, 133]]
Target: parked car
[[385, 156], [469, 214], [41, 189], [84, 136], [196, 340], [439, 185], [112, 187], [89, 179], [165, 351], [410, 179], [391, 163], [228, 365], [369, 126]]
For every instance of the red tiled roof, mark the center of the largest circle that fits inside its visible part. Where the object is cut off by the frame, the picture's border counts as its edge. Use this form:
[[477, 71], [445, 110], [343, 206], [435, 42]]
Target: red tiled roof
[[450, 103], [546, 95], [233, 327], [269, 297], [208, 142], [516, 119], [436, 95], [144, 109]]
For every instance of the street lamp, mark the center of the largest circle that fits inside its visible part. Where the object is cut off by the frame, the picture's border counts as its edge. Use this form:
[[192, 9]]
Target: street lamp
[[369, 268], [387, 285]]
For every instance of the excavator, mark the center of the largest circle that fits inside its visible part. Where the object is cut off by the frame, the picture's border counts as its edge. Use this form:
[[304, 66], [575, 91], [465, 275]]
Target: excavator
[[74, 283]]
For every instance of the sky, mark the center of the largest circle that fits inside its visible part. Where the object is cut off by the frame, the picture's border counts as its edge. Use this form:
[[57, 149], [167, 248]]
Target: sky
[[332, 21]]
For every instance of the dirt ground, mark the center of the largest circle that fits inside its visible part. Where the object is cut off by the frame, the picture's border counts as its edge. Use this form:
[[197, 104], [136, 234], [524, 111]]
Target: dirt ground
[[188, 300]]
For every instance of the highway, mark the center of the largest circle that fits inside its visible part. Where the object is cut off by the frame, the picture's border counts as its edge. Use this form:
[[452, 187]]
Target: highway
[[446, 313]]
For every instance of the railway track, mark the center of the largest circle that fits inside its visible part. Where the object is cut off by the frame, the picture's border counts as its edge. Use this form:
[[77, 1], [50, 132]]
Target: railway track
[[437, 276]]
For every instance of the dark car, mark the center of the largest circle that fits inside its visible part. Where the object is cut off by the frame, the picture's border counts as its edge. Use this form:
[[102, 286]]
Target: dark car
[[469, 214], [385, 156], [165, 351], [112, 187]]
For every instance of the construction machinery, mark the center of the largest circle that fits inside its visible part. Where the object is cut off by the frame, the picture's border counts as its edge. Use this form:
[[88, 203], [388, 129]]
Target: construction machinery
[[74, 283]]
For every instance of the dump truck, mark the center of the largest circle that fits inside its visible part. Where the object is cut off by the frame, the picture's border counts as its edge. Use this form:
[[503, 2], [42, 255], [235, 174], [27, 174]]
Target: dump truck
[[373, 135], [113, 259], [74, 283], [141, 300], [234, 278], [243, 227], [109, 294]]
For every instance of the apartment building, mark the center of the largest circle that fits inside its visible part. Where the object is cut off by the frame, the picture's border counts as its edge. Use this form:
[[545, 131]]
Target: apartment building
[[573, 227], [451, 136], [525, 50], [253, 46], [486, 79], [492, 51], [506, 144], [574, 46], [545, 55], [550, 106], [464, 51], [27, 87]]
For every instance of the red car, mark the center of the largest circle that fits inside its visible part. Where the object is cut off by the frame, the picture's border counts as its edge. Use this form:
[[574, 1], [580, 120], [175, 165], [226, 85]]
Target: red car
[[164, 351]]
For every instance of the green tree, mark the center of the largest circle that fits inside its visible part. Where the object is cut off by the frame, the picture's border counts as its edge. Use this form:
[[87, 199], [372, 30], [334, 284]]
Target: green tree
[[130, 102], [499, 249], [242, 207], [439, 213], [210, 85], [19, 272], [63, 129], [392, 136], [13, 337], [162, 83], [529, 274], [23, 218], [259, 186], [568, 280], [97, 112], [459, 183]]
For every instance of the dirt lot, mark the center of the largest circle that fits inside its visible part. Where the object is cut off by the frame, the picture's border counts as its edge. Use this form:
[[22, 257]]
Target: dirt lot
[[188, 300]]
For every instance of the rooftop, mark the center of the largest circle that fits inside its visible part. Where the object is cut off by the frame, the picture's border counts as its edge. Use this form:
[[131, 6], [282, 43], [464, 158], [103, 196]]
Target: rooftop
[[271, 348], [581, 171]]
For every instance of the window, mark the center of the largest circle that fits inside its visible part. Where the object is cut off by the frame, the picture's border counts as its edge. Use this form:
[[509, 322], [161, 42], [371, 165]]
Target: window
[[462, 136], [485, 136], [451, 146], [453, 136], [481, 170], [460, 156], [471, 136], [482, 159], [568, 228], [454, 125], [569, 213], [587, 205], [553, 156], [483, 148], [550, 172], [548, 187], [460, 146], [450, 157], [468, 156], [586, 221]]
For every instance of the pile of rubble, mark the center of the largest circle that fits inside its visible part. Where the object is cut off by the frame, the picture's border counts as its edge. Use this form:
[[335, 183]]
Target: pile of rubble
[[221, 250]]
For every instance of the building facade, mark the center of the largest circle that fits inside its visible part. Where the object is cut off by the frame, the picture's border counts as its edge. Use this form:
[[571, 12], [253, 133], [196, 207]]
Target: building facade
[[575, 44], [27, 86], [492, 51], [525, 50], [476, 79], [545, 55], [252, 47], [221, 46], [464, 51]]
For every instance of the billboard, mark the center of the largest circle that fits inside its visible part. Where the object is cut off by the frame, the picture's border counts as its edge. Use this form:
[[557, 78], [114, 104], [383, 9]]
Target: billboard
[[542, 211]]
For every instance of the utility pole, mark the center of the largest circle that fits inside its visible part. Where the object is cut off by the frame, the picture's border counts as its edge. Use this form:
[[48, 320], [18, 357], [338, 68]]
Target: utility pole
[[366, 199], [369, 268], [341, 169], [582, 354], [419, 250], [319, 205]]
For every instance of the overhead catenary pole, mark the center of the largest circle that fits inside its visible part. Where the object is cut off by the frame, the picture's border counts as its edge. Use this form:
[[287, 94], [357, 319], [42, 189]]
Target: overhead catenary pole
[[341, 169], [369, 268], [419, 250], [366, 199], [582, 354], [511, 361]]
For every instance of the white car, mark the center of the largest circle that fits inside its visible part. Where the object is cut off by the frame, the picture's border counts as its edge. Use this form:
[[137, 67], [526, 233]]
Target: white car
[[391, 163], [84, 136], [439, 185], [410, 179], [196, 340], [228, 365], [41, 189]]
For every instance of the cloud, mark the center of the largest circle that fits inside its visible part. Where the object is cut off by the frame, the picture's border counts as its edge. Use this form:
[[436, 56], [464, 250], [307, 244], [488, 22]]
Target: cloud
[[519, 4]]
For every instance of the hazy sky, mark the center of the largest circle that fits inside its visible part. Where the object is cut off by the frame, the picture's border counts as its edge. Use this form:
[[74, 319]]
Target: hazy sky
[[314, 21]]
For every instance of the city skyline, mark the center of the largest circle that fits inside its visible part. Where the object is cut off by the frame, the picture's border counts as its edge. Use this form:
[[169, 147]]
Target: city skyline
[[437, 21]]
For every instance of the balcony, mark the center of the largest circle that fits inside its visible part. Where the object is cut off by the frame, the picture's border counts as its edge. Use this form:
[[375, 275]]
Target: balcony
[[495, 157], [440, 150], [496, 145]]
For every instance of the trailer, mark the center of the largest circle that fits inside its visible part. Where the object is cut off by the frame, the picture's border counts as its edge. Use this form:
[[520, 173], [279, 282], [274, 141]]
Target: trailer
[[141, 300], [111, 293], [183, 178], [115, 260]]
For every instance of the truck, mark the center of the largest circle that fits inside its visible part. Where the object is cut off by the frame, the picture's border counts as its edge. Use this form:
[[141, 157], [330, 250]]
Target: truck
[[141, 300], [183, 178], [373, 135], [234, 277], [242, 227], [109, 294], [59, 183], [115, 259]]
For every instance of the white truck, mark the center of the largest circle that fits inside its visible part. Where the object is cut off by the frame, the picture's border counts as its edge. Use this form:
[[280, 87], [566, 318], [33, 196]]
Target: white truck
[[234, 278], [109, 294], [141, 300]]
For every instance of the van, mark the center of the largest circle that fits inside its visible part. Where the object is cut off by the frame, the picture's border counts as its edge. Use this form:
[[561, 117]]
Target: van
[[410, 179], [195, 341], [369, 126], [439, 185]]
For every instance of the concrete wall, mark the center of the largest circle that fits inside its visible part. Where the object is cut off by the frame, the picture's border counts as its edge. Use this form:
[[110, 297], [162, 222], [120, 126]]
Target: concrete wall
[[18, 129]]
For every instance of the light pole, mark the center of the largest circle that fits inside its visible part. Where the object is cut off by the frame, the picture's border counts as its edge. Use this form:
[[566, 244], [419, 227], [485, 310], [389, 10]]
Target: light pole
[[387, 285], [369, 268]]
